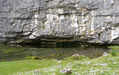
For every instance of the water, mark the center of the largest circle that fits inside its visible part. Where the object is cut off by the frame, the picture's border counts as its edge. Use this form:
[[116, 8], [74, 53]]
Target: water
[[17, 52]]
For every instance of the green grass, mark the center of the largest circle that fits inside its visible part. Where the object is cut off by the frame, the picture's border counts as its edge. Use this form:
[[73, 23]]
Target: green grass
[[104, 65], [16, 66], [7, 68]]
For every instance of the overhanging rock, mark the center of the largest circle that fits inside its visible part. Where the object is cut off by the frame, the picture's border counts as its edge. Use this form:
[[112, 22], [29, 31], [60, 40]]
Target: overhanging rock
[[92, 21]]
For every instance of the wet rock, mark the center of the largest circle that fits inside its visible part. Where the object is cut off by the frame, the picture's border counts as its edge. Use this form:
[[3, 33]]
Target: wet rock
[[67, 71]]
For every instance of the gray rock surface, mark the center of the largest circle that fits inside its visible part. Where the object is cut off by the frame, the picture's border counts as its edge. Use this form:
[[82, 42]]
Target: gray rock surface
[[93, 21]]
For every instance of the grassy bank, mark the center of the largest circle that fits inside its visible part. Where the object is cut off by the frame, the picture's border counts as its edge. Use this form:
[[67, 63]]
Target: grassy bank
[[104, 65], [107, 64]]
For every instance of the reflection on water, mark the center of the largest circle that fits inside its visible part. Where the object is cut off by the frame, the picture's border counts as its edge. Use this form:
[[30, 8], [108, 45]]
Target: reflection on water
[[57, 53], [60, 53]]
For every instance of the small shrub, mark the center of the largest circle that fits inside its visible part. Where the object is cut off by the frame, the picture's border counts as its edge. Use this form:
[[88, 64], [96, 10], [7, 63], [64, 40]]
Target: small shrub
[[113, 53]]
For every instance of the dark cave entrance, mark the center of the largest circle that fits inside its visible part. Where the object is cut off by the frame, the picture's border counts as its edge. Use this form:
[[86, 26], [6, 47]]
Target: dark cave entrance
[[60, 44]]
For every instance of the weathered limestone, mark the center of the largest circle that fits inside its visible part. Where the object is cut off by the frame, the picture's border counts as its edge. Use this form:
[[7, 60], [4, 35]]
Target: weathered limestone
[[93, 21]]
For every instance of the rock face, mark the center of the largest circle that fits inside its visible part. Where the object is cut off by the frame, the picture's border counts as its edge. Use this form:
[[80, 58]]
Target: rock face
[[93, 21]]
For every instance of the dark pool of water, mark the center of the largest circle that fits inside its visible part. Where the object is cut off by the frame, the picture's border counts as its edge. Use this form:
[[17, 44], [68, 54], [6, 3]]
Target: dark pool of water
[[57, 53]]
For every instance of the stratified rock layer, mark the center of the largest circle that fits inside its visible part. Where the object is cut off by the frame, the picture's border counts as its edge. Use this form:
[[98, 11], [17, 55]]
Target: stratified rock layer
[[93, 21]]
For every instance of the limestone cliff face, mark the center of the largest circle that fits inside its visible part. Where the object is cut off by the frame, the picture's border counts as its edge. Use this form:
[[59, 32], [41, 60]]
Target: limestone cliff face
[[94, 21]]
